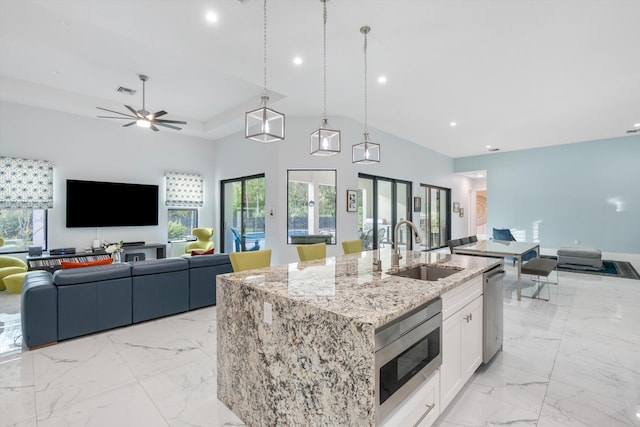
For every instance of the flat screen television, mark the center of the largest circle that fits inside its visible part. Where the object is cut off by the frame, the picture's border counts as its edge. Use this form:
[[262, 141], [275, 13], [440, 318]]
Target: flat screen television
[[110, 204]]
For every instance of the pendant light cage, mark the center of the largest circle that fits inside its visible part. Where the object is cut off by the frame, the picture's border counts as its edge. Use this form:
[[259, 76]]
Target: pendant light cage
[[325, 141], [264, 124], [367, 151]]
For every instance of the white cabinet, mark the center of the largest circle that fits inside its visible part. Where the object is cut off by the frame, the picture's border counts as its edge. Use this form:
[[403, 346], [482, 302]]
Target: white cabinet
[[421, 408], [461, 337]]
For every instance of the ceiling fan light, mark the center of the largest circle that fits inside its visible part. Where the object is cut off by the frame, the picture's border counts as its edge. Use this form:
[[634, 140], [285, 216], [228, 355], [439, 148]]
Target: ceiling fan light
[[143, 123]]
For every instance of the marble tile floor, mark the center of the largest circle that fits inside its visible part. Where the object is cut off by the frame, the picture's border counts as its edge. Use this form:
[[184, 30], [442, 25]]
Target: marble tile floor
[[572, 361]]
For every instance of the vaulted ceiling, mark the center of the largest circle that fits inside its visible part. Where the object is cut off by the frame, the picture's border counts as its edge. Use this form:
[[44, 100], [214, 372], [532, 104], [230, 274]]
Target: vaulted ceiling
[[512, 74]]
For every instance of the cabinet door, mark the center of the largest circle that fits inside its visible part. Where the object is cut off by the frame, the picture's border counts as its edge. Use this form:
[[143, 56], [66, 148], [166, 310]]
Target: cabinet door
[[451, 368], [471, 357]]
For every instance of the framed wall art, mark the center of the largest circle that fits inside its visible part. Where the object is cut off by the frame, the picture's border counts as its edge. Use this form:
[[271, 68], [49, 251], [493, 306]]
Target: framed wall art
[[352, 200]]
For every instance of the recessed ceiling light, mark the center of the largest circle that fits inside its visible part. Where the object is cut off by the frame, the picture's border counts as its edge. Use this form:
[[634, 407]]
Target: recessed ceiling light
[[453, 124], [382, 79], [637, 125], [212, 16], [297, 60]]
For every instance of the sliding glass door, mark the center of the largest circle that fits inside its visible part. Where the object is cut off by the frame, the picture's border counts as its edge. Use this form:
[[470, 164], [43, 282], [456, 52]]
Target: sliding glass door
[[435, 216], [383, 202], [242, 213]]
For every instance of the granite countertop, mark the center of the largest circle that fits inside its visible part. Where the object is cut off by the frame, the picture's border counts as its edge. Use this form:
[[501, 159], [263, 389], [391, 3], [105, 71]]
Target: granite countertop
[[348, 286]]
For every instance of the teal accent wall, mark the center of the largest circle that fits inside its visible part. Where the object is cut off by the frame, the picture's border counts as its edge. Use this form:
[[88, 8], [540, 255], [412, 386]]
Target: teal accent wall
[[587, 192]]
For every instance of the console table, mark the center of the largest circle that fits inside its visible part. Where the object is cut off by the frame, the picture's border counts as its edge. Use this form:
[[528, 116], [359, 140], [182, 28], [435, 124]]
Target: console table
[[161, 249], [52, 263]]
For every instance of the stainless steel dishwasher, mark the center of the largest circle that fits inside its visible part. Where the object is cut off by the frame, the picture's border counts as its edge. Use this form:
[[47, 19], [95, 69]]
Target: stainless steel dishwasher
[[493, 312]]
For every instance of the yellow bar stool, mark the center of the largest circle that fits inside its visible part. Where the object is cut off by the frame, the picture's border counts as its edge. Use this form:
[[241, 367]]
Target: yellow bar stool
[[311, 252], [243, 261], [352, 246]]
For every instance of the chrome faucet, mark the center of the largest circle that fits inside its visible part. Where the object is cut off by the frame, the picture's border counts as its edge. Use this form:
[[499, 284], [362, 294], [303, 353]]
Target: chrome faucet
[[395, 257]]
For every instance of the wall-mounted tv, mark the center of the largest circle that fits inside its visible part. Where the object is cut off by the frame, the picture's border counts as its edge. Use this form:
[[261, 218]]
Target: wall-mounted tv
[[110, 204]]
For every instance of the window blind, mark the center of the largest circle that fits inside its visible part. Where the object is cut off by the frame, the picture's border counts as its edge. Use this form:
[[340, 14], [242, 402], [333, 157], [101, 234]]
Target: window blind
[[26, 184], [184, 189]]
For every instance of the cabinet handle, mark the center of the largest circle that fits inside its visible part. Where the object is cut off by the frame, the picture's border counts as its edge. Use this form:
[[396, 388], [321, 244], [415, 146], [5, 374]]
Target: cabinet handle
[[468, 317], [429, 408]]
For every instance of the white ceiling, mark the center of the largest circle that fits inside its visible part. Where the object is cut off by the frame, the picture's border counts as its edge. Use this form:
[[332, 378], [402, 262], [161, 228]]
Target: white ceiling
[[513, 74]]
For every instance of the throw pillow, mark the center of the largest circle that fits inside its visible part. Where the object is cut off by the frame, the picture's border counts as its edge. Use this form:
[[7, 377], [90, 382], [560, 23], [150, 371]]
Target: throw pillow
[[209, 252], [70, 264]]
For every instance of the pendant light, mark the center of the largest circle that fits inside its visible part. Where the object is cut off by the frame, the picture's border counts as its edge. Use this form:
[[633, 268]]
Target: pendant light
[[325, 141], [367, 151], [264, 124]]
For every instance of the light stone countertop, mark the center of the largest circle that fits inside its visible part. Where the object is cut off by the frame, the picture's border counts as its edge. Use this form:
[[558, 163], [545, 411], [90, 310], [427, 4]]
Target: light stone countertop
[[296, 342], [348, 286]]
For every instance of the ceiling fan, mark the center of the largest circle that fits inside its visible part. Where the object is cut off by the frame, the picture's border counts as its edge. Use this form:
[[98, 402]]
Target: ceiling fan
[[636, 128], [142, 117]]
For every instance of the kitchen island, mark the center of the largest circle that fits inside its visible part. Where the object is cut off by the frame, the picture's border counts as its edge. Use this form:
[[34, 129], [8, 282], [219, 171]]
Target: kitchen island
[[296, 342]]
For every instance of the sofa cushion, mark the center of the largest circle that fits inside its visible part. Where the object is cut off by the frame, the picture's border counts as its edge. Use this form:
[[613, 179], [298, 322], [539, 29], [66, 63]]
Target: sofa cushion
[[39, 309], [208, 260], [155, 266], [91, 274], [71, 264]]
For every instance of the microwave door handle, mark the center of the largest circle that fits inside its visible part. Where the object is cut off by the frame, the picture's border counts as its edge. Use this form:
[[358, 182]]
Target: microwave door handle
[[429, 408]]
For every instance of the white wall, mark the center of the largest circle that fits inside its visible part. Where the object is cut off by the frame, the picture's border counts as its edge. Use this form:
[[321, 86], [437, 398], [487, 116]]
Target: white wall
[[587, 192], [100, 149], [400, 160]]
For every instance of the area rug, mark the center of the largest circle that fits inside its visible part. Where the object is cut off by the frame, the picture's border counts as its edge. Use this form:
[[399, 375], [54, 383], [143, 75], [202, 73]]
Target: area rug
[[620, 269]]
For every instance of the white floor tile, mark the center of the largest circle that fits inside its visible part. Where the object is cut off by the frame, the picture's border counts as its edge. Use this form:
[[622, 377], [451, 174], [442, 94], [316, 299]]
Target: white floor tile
[[570, 361]]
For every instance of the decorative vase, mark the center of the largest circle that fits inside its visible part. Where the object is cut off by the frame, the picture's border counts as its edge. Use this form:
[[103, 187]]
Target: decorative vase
[[116, 257]]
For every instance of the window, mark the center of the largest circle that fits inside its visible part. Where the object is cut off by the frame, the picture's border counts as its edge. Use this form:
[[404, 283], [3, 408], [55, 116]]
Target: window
[[21, 228], [383, 202], [26, 192], [180, 222], [242, 213], [435, 216], [311, 206]]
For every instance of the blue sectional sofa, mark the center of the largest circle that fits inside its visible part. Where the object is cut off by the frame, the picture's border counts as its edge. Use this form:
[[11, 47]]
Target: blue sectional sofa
[[81, 301]]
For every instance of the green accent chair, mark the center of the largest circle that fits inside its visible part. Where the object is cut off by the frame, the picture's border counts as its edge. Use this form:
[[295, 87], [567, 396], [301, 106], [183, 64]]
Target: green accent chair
[[311, 252], [13, 282], [10, 265], [352, 246], [243, 261], [203, 244]]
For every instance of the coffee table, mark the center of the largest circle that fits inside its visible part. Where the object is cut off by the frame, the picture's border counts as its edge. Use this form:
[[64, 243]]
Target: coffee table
[[500, 249]]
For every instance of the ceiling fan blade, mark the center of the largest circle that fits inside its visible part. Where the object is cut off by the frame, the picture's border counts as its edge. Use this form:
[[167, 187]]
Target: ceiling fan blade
[[633, 130], [135, 113], [111, 111], [176, 122], [155, 129], [158, 114], [167, 126], [129, 124], [122, 118]]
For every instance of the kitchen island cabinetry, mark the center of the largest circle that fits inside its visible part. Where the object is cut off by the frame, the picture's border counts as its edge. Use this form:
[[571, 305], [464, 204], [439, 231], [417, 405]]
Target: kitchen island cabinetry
[[296, 342], [461, 337]]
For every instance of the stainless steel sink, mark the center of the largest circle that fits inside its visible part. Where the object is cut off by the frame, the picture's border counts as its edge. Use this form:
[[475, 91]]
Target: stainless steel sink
[[427, 272]]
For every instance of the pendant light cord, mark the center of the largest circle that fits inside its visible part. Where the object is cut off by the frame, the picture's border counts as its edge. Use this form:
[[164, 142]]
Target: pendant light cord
[[365, 31], [265, 46], [324, 58]]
